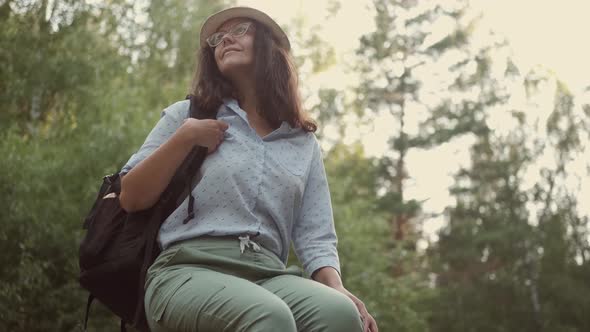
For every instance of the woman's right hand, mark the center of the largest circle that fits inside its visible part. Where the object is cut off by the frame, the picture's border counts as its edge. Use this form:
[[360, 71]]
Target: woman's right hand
[[207, 132]]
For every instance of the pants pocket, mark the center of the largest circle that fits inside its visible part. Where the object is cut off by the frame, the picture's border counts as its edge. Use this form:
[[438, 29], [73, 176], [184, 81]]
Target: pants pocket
[[164, 292]]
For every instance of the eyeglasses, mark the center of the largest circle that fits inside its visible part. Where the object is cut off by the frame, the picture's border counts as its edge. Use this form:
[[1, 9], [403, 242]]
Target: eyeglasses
[[237, 30]]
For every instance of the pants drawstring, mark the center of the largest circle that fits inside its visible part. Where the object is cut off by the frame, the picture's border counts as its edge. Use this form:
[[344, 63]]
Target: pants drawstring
[[246, 242]]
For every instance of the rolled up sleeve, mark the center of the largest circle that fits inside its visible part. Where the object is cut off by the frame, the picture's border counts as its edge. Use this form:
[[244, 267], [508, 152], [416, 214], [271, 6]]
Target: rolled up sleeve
[[170, 120], [314, 235]]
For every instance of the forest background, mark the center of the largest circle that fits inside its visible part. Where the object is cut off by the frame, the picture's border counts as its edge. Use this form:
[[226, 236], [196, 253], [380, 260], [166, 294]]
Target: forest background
[[455, 136]]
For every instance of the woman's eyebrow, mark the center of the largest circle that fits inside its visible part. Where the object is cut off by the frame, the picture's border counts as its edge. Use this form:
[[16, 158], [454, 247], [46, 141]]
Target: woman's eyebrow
[[228, 28], [232, 26]]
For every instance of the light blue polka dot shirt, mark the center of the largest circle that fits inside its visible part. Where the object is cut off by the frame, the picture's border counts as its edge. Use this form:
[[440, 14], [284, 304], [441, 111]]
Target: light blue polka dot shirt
[[275, 186]]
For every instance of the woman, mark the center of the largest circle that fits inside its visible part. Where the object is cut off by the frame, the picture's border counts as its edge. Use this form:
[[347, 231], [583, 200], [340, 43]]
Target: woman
[[261, 187]]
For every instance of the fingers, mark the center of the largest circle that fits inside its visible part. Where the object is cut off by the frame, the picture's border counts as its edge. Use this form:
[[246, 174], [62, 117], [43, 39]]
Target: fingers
[[369, 324], [218, 124], [220, 130], [221, 135], [218, 139], [373, 326], [362, 311], [222, 125]]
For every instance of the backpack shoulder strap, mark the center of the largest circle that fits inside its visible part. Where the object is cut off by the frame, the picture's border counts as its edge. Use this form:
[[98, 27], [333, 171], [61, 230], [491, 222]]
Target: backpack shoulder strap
[[90, 299], [166, 205]]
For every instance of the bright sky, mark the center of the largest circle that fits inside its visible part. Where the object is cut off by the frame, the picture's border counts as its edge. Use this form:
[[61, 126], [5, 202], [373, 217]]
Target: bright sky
[[551, 33]]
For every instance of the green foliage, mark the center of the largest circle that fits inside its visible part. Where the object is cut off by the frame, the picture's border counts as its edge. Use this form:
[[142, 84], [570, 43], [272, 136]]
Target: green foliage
[[498, 256], [73, 110], [50, 188], [492, 260], [365, 247]]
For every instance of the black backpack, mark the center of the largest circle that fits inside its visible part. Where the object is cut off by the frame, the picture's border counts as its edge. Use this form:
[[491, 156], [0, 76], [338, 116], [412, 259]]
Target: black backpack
[[119, 247]]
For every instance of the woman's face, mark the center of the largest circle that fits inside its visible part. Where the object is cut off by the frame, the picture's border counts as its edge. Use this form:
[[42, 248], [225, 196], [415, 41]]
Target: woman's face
[[235, 54]]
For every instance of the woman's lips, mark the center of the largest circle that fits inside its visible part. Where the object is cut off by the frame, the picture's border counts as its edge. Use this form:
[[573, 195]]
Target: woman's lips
[[227, 52]]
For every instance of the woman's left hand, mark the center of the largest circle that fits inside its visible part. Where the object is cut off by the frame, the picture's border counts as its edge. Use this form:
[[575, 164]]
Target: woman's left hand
[[369, 324]]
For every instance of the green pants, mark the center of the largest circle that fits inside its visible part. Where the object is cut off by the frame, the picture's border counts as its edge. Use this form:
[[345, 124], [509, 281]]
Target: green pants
[[208, 285]]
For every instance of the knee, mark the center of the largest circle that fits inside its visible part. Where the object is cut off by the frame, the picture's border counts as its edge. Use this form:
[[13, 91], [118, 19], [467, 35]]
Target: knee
[[340, 314], [273, 315]]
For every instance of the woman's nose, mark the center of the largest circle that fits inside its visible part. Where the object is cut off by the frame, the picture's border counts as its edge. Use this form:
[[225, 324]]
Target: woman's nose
[[228, 37]]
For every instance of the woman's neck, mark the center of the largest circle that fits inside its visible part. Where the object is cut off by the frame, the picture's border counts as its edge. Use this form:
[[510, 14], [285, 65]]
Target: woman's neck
[[246, 93]]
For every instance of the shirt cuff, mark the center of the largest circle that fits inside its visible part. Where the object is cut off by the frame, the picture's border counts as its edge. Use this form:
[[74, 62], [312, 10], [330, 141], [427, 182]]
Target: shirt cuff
[[322, 262]]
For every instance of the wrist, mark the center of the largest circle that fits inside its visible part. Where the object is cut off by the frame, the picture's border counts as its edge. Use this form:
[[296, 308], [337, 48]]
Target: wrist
[[328, 276]]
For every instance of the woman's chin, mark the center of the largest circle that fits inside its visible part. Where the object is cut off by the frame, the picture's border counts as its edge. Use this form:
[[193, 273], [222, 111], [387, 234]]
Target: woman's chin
[[233, 67]]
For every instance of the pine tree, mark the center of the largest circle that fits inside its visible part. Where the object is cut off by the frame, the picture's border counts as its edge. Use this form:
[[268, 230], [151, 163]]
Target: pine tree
[[393, 62], [505, 243]]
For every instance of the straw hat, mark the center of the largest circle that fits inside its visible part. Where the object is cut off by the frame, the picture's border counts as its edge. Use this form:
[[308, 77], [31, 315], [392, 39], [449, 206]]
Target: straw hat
[[213, 22]]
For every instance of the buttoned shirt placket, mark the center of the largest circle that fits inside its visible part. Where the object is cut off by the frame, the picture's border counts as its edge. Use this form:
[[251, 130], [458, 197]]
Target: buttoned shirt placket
[[245, 241]]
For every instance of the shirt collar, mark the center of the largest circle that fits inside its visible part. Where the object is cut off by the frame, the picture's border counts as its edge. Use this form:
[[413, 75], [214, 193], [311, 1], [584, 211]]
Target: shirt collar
[[232, 105]]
